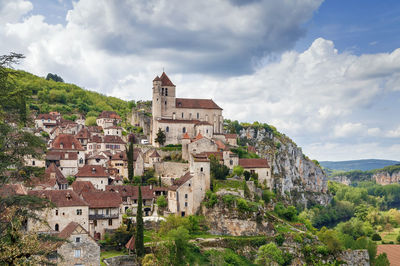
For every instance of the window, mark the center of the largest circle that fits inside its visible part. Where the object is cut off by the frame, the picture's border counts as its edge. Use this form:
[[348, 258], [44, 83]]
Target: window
[[33, 162], [186, 204], [201, 169], [57, 227], [95, 223], [80, 161], [56, 212], [162, 91], [102, 181], [77, 240], [198, 115], [165, 103], [166, 91], [167, 129], [79, 212], [77, 253], [231, 162], [182, 115], [184, 129], [109, 222], [186, 196]]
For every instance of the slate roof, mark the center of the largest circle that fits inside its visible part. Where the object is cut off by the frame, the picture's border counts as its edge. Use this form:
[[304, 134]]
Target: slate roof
[[200, 157], [61, 198], [196, 103], [67, 140], [92, 171], [59, 177], [95, 129], [102, 199], [254, 163], [68, 230]]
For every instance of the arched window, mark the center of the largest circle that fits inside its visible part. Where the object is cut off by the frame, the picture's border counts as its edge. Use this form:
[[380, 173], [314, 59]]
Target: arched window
[[162, 91], [80, 161], [184, 129], [56, 227], [167, 129], [201, 169], [198, 115], [166, 91]]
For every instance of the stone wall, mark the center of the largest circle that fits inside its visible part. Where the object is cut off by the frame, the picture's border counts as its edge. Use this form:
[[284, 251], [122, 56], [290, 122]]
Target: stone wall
[[171, 169], [89, 251]]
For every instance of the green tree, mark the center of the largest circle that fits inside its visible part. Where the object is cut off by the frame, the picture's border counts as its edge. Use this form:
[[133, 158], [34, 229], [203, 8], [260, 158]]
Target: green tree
[[91, 121], [238, 170], [161, 138], [129, 155], [217, 170], [381, 260], [269, 254], [162, 202], [54, 77], [179, 237], [139, 239]]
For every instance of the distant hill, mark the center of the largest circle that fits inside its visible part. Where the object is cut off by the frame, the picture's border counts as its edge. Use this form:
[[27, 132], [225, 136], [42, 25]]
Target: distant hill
[[363, 165]]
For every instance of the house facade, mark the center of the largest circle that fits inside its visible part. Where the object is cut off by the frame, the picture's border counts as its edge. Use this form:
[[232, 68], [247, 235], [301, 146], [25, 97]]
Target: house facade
[[96, 174]]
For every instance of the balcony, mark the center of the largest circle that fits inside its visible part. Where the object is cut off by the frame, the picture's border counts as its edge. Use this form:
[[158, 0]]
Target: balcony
[[103, 216]]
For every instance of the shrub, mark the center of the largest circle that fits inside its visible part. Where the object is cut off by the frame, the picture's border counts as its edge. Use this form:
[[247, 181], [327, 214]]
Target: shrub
[[279, 239], [376, 237], [228, 200], [44, 134], [269, 254], [162, 202], [211, 199], [398, 238], [242, 205], [323, 250], [298, 238]]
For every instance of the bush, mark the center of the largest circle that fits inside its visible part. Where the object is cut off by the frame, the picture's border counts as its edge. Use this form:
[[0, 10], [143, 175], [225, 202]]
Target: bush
[[44, 134], [323, 250], [242, 205], [211, 199], [91, 121], [228, 200], [269, 254], [162, 202], [398, 238], [279, 239], [376, 237]]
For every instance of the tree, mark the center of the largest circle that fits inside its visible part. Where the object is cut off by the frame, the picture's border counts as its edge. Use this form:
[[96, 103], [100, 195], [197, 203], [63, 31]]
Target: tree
[[129, 155], [382, 260], [247, 175], [17, 247], [269, 254], [139, 239], [91, 121], [54, 77], [217, 170], [161, 138], [162, 202], [238, 170]]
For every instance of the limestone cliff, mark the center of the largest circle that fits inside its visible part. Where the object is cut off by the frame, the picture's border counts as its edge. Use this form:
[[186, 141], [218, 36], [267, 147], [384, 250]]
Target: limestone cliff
[[295, 177], [386, 177]]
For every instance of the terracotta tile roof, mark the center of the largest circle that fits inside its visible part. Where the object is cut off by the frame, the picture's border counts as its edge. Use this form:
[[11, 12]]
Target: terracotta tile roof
[[392, 252], [196, 103], [201, 123], [120, 156], [165, 81], [113, 127], [231, 136], [61, 198], [155, 154], [12, 189], [136, 153], [186, 136], [82, 186], [132, 191], [157, 78], [254, 163], [198, 137], [67, 142], [60, 155], [95, 129], [113, 139], [200, 157], [84, 133], [92, 171], [102, 199], [95, 139], [53, 170], [220, 144], [46, 117], [176, 121], [96, 156], [251, 149], [179, 182], [68, 230], [109, 114]]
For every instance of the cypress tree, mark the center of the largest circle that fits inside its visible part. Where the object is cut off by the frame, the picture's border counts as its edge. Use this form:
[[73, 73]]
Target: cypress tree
[[139, 245], [129, 156]]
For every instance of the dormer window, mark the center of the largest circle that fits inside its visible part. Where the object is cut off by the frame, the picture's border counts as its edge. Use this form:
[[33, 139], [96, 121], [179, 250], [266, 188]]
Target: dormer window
[[61, 145], [68, 196], [93, 170]]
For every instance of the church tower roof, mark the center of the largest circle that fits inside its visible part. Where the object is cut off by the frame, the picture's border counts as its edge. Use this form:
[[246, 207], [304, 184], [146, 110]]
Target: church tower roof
[[157, 78], [165, 81]]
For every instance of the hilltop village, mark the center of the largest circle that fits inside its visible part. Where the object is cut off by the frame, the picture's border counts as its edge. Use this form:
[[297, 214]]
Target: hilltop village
[[86, 168]]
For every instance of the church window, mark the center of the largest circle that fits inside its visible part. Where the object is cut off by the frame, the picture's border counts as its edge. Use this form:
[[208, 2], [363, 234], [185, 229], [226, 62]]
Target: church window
[[198, 115], [167, 129], [166, 91], [184, 129], [182, 115], [57, 227], [162, 91]]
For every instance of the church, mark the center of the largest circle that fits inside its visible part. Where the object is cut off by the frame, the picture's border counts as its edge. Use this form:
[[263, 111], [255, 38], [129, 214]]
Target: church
[[179, 117]]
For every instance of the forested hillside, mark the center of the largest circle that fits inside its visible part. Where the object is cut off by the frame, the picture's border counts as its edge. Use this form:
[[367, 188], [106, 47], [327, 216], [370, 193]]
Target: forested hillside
[[68, 99]]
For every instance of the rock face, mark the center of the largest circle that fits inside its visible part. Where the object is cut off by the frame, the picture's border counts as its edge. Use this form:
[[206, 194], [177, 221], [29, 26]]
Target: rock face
[[386, 178], [229, 221], [296, 177], [354, 257]]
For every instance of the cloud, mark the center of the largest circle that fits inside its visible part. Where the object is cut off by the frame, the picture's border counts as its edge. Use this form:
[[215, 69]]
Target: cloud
[[394, 133], [349, 129]]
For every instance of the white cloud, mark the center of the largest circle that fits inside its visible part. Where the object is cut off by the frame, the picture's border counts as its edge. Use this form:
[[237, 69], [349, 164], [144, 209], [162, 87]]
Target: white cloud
[[394, 133], [348, 130]]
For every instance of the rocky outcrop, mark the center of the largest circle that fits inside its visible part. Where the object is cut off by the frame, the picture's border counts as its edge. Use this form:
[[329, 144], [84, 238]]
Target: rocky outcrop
[[386, 178], [224, 220], [296, 177], [354, 257]]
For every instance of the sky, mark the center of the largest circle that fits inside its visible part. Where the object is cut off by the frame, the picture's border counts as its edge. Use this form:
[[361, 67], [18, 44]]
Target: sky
[[325, 73]]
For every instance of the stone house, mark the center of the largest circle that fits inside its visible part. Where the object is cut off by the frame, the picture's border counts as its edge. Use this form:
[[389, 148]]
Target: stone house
[[82, 186], [95, 130], [108, 119], [83, 136], [231, 139], [104, 212], [187, 193], [46, 122], [69, 206], [70, 150], [34, 162], [113, 143], [113, 131], [177, 116], [260, 167], [154, 158], [97, 158], [130, 195], [95, 144], [197, 145], [119, 161], [96, 174], [53, 179], [79, 248]]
